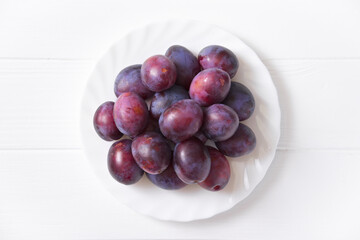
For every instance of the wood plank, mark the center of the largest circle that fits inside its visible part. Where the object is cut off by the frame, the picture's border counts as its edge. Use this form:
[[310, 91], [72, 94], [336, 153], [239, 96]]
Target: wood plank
[[85, 29], [305, 195], [40, 101], [318, 99]]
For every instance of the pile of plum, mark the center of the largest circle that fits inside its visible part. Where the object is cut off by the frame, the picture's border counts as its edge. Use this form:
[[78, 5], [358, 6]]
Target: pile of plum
[[192, 100]]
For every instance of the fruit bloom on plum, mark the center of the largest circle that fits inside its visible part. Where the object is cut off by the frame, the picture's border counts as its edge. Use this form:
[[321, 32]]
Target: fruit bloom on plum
[[151, 152], [216, 56], [181, 121], [191, 161], [167, 179], [130, 114], [241, 100], [162, 100], [219, 175], [129, 80], [121, 163], [210, 86], [187, 65], [220, 122], [201, 136], [242, 142], [104, 122], [158, 73]]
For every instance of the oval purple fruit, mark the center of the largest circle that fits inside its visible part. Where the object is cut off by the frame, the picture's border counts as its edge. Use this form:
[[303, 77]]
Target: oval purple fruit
[[151, 152], [191, 161], [130, 114], [167, 179], [129, 80], [241, 100], [104, 122], [187, 65], [219, 175], [158, 73], [215, 56], [121, 163], [162, 100], [181, 121], [220, 122], [210, 86], [242, 142]]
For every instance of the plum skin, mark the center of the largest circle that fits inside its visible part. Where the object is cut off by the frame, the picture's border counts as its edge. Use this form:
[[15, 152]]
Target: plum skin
[[181, 121], [167, 179], [130, 114], [220, 122], [151, 152], [201, 136], [187, 65], [242, 142], [241, 100], [121, 163], [129, 80], [191, 161], [152, 125], [210, 86], [162, 100], [158, 73], [220, 173], [104, 124], [215, 56]]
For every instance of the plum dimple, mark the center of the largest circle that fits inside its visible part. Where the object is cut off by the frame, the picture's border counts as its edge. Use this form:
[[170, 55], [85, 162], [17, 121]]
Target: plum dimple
[[210, 86], [242, 142], [151, 152], [130, 114], [187, 65], [129, 80], [158, 73], [104, 123], [215, 56], [181, 121], [220, 122], [121, 163]]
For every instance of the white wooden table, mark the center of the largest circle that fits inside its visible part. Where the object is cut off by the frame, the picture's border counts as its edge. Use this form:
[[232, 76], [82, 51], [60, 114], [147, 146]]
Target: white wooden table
[[47, 51]]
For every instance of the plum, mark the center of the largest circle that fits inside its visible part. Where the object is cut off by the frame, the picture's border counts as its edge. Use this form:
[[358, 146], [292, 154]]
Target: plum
[[121, 163], [210, 86], [158, 73], [215, 56], [130, 114], [181, 121], [187, 65], [104, 124], [151, 152]]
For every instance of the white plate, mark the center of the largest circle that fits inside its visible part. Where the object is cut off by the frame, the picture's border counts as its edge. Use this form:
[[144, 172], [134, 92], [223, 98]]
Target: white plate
[[192, 202]]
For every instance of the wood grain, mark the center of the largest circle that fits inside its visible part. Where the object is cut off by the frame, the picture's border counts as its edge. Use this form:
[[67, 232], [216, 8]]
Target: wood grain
[[318, 99], [39, 101], [85, 29]]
